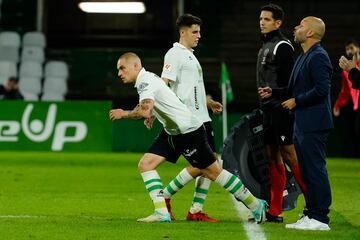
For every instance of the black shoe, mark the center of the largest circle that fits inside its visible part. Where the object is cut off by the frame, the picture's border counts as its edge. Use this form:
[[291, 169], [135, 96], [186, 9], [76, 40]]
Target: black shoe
[[274, 219]]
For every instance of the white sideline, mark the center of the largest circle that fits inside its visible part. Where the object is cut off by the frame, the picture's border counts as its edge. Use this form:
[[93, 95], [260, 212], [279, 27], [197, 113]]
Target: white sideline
[[21, 216], [253, 230]]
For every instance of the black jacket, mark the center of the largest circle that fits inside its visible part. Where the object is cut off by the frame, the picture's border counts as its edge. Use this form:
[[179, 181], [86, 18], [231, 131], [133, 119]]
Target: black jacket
[[14, 94], [275, 63]]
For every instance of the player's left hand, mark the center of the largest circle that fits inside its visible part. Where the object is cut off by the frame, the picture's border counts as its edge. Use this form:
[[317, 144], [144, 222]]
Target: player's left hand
[[148, 122], [289, 104], [116, 114]]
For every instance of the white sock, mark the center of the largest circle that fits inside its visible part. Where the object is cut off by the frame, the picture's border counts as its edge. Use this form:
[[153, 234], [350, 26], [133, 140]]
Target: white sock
[[154, 187], [177, 183], [233, 185], [202, 186]]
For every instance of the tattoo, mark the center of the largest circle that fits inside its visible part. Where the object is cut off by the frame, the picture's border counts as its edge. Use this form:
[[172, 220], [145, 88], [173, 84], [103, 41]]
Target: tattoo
[[140, 109], [134, 114], [145, 106]]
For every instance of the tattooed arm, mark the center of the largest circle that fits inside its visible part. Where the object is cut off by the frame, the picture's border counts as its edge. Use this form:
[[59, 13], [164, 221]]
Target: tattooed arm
[[146, 107], [142, 110]]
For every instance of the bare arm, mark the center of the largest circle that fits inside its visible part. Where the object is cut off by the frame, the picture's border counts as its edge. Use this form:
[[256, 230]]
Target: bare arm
[[142, 110], [117, 114], [146, 108]]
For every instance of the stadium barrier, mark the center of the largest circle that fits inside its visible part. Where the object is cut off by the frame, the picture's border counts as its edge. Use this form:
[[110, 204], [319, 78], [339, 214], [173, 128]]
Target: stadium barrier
[[55, 126]]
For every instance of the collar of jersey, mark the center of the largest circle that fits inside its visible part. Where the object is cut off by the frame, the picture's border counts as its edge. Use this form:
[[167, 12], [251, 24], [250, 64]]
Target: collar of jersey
[[179, 45], [142, 72]]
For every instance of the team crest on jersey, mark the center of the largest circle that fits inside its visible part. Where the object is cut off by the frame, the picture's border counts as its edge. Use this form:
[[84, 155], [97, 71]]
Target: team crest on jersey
[[190, 58], [167, 67], [142, 87]]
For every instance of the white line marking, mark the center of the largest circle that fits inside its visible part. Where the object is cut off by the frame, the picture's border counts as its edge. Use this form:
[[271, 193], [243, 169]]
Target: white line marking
[[252, 229], [21, 216]]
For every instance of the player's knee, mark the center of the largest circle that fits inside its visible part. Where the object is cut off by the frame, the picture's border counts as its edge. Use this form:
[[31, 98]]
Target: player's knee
[[144, 165], [194, 172], [211, 176], [288, 154], [150, 162], [211, 173]]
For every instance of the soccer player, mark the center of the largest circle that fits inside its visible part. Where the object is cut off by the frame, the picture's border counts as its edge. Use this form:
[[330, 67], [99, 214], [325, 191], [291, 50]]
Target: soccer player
[[185, 133], [183, 72]]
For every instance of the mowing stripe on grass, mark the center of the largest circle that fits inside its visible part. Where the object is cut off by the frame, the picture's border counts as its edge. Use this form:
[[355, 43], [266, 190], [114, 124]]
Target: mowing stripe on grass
[[253, 230]]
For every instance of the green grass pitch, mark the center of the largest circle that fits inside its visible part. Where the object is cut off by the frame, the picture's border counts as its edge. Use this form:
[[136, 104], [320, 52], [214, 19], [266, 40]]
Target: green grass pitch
[[100, 196]]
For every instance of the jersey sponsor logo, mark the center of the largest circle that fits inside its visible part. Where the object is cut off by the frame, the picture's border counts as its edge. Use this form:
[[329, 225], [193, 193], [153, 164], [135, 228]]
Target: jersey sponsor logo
[[190, 58], [196, 98], [167, 67]]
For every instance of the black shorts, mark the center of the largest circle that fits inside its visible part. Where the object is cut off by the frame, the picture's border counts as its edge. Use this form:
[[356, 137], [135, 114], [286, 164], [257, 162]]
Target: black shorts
[[278, 125], [194, 146], [210, 135]]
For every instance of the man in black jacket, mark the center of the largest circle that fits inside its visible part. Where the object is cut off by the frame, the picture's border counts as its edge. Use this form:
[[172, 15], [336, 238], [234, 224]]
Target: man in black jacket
[[274, 65]]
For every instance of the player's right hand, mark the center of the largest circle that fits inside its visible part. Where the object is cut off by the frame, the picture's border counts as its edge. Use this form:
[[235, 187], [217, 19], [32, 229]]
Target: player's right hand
[[116, 114]]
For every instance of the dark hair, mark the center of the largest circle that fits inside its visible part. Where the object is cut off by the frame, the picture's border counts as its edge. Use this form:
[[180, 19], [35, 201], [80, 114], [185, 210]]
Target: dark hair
[[352, 41], [277, 11], [187, 20], [13, 79]]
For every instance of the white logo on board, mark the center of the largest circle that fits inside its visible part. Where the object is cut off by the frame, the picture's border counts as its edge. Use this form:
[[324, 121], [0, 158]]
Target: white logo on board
[[40, 131]]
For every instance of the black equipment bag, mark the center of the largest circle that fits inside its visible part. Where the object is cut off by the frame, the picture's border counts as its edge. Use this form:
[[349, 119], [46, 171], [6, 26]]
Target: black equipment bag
[[244, 155]]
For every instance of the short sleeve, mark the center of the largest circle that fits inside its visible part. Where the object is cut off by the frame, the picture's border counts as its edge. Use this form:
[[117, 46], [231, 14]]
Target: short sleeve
[[146, 90], [171, 65]]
